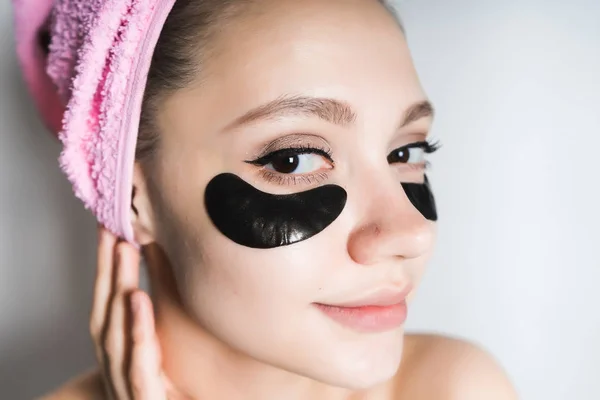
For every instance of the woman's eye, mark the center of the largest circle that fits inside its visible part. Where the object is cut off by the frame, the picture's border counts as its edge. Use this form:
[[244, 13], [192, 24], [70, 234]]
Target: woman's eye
[[407, 156], [295, 161], [411, 154]]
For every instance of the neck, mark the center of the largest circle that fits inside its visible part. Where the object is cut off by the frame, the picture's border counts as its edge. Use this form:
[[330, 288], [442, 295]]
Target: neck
[[204, 367]]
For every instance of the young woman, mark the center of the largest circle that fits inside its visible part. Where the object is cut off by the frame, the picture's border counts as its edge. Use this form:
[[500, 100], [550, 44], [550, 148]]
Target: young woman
[[267, 158]]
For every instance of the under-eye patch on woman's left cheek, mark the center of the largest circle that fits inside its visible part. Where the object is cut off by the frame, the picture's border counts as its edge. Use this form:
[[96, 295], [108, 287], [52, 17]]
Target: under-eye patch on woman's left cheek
[[421, 197], [256, 219]]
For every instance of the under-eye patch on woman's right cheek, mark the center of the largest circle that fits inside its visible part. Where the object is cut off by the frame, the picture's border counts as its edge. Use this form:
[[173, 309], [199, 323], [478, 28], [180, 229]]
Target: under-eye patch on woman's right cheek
[[421, 196], [256, 219]]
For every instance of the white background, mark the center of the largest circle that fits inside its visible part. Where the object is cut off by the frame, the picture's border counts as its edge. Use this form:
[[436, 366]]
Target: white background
[[517, 88]]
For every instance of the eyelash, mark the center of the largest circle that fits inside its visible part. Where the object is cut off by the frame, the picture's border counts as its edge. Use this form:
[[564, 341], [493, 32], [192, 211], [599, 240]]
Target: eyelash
[[319, 177], [291, 180]]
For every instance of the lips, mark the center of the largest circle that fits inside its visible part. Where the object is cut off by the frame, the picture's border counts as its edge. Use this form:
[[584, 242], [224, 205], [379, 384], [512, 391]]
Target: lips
[[379, 297], [378, 311]]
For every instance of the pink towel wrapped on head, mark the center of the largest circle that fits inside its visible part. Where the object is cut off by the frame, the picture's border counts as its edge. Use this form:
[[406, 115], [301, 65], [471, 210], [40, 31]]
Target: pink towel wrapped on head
[[89, 86]]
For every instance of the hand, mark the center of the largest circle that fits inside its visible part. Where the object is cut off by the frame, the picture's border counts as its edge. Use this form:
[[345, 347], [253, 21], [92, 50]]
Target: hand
[[122, 327]]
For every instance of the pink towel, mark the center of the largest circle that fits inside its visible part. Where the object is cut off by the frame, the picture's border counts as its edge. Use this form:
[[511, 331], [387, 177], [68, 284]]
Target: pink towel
[[92, 80]]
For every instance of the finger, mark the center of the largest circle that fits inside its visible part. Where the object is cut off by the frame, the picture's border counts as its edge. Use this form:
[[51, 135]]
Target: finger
[[128, 264], [103, 283], [145, 374], [102, 292], [117, 334]]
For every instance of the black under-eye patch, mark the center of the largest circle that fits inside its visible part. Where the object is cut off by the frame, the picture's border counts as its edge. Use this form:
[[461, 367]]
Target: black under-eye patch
[[421, 196], [256, 219]]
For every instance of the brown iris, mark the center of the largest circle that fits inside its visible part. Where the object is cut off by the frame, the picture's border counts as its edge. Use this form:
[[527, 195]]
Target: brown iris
[[401, 155], [285, 163]]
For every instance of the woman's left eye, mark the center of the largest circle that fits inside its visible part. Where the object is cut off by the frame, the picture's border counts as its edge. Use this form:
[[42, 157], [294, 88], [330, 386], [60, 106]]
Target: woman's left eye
[[413, 153]]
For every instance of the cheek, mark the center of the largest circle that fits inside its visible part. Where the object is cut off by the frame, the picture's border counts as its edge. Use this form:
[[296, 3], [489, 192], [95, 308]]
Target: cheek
[[223, 283], [230, 287], [257, 301]]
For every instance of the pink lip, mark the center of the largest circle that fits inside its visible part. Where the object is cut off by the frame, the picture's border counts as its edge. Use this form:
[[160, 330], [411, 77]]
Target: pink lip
[[378, 312]]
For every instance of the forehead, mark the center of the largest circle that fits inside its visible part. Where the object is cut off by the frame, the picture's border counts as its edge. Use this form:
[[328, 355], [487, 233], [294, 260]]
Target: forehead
[[352, 50]]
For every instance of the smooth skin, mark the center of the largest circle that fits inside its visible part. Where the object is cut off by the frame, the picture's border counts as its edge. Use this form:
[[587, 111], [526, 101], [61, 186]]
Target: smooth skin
[[129, 353]]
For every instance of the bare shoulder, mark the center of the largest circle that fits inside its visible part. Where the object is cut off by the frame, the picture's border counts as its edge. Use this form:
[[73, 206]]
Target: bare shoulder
[[85, 387], [445, 368]]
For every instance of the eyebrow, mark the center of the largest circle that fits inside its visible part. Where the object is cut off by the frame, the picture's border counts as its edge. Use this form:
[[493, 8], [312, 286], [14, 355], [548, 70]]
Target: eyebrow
[[330, 110], [417, 111]]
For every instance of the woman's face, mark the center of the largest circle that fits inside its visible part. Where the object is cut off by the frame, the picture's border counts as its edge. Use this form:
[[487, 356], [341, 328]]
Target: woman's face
[[334, 81]]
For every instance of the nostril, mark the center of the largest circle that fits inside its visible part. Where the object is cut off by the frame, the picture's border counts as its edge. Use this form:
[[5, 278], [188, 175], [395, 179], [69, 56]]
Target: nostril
[[376, 230]]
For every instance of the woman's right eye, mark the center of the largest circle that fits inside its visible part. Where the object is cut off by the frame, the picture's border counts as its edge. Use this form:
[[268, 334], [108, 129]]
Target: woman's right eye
[[295, 161]]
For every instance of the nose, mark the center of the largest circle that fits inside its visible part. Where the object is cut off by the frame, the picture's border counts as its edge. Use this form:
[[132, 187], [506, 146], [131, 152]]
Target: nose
[[390, 227]]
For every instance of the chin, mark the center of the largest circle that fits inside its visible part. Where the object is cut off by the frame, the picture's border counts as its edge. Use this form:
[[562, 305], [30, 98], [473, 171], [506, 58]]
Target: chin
[[360, 376], [358, 364], [365, 380]]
